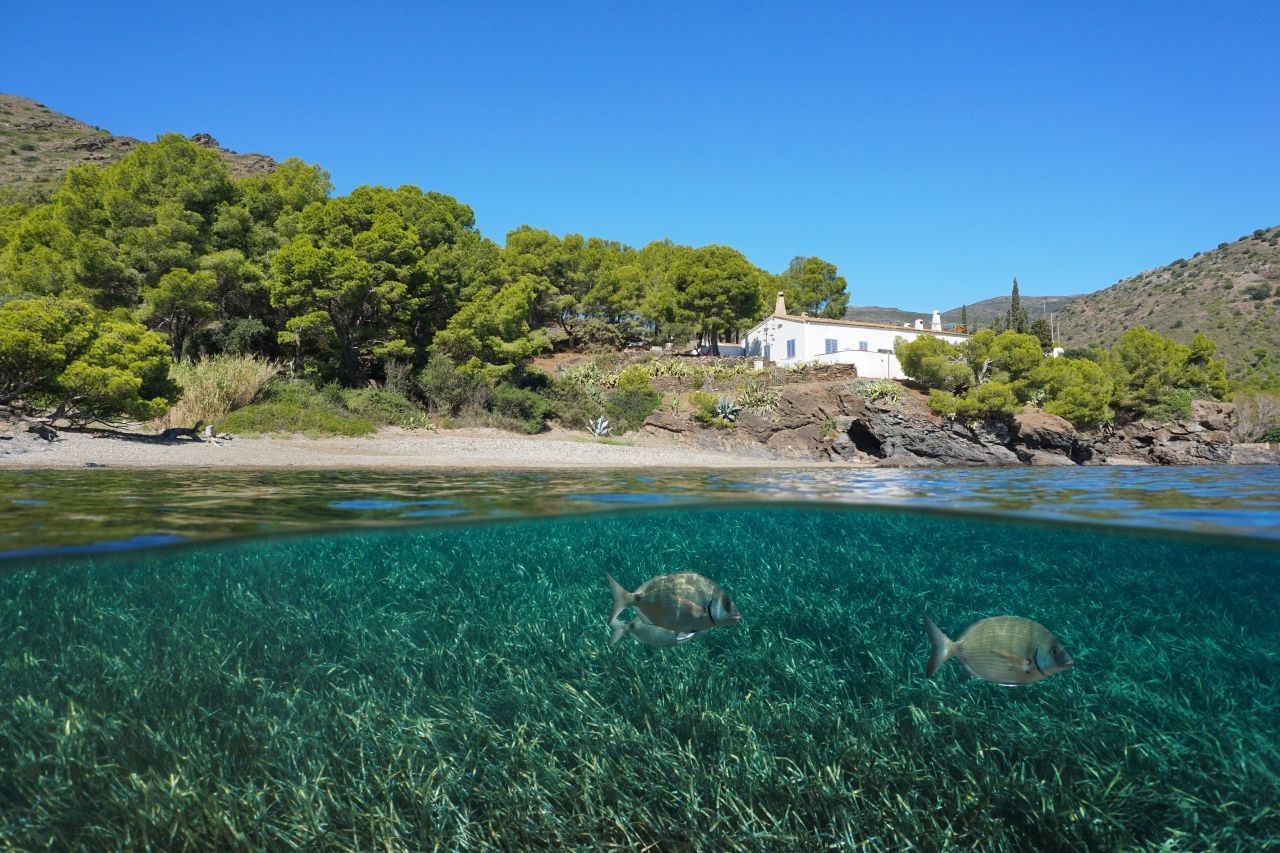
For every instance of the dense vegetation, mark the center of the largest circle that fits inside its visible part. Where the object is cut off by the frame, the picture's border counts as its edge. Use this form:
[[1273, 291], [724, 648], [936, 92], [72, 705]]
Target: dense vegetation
[[349, 289], [990, 374]]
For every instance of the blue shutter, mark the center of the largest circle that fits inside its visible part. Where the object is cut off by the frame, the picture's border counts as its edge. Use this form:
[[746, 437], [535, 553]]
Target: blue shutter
[[791, 348], [831, 344], [862, 345]]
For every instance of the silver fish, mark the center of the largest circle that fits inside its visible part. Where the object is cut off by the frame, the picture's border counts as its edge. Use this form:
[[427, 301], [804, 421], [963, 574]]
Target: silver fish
[[645, 632], [1008, 650], [681, 602]]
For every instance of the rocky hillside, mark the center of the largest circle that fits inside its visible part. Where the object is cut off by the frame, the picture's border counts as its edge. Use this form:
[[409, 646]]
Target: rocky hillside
[[827, 419], [37, 145], [1230, 293]]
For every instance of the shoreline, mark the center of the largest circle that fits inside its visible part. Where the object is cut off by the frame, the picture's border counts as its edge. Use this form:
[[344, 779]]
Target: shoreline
[[390, 447]]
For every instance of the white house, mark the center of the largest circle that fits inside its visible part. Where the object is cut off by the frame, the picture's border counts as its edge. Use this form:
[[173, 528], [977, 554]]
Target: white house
[[788, 340]]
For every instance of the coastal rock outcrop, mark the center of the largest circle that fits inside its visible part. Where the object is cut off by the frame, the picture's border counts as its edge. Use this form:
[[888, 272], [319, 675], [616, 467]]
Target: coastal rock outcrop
[[835, 422]]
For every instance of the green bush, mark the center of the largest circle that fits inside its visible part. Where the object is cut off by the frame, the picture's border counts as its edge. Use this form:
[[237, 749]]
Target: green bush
[[627, 410], [1078, 390], [635, 379], [448, 389], [703, 402], [1174, 405], [383, 407], [294, 406], [520, 405], [992, 400], [573, 405], [942, 403]]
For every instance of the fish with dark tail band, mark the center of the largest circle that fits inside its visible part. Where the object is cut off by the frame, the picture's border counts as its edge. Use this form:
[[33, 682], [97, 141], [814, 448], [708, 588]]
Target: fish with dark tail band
[[684, 602], [1008, 650]]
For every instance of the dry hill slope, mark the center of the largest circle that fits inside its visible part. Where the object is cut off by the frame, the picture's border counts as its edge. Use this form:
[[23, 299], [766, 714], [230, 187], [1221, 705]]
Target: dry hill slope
[[1229, 294], [37, 145]]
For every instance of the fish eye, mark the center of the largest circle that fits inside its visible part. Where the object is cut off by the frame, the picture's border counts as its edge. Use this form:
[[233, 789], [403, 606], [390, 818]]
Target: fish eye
[[726, 603]]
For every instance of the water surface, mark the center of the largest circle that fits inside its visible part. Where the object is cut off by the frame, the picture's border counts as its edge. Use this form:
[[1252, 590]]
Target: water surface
[[91, 510]]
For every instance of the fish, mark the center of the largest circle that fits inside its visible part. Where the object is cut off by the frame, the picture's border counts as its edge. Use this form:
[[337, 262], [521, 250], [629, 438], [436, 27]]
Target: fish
[[645, 632], [681, 602], [1008, 650]]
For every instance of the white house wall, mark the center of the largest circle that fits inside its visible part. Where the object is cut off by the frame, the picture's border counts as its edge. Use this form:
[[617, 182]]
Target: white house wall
[[811, 344]]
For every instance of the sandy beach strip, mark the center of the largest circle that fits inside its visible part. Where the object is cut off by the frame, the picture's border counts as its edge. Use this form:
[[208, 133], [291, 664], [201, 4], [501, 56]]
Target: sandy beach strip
[[389, 448]]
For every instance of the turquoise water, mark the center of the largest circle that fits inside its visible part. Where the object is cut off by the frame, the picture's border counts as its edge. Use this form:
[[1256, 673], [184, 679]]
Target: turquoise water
[[453, 686]]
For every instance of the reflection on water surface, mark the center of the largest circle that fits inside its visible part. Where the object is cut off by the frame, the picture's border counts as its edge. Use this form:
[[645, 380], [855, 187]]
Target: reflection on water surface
[[43, 510]]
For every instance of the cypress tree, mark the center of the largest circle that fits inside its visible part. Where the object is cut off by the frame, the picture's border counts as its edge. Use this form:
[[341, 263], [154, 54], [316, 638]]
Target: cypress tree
[[1017, 317], [964, 317]]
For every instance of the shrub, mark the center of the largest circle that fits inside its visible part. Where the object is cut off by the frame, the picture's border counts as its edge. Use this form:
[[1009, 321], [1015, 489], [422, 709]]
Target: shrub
[[1078, 390], [628, 409], [994, 399], [526, 408], [572, 405], [448, 389], [635, 379], [294, 406], [943, 403], [1259, 291], [1257, 415], [216, 386], [701, 401], [383, 407], [1174, 405]]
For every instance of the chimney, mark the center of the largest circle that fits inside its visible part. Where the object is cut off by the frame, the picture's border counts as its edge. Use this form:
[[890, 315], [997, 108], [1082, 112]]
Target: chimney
[[780, 307], [936, 323], [919, 323]]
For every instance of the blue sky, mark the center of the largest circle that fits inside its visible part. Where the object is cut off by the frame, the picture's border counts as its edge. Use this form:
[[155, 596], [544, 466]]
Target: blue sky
[[932, 151]]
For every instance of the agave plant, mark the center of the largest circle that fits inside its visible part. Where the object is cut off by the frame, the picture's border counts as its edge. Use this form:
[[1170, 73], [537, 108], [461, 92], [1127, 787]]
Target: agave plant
[[755, 397], [600, 427], [727, 410]]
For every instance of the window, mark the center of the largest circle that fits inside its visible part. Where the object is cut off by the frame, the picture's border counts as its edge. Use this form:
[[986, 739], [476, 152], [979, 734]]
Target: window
[[791, 348], [831, 344], [862, 345]]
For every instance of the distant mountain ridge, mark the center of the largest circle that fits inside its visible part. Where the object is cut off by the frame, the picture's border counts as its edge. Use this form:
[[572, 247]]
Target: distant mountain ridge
[[981, 313], [38, 145]]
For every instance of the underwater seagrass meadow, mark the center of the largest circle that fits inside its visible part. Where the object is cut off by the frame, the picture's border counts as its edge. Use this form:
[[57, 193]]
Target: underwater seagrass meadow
[[453, 687]]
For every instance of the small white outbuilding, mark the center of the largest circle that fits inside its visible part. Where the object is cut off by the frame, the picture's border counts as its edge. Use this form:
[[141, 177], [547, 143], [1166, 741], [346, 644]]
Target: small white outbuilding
[[788, 340]]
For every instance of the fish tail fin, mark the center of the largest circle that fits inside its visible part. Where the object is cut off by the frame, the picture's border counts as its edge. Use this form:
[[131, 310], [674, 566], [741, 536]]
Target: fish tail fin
[[621, 599], [941, 646], [619, 628]]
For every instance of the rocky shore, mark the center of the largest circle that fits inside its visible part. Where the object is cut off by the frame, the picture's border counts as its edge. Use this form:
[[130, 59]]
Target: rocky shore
[[834, 422]]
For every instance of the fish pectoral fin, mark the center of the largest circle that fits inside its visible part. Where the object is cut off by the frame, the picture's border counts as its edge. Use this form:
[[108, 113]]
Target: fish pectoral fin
[[690, 607], [1017, 661]]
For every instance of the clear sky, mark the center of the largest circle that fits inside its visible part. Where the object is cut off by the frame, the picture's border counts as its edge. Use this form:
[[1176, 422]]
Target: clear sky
[[932, 151]]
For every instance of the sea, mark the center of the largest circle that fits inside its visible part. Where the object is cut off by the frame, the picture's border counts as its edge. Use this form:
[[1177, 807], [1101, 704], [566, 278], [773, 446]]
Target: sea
[[420, 660]]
